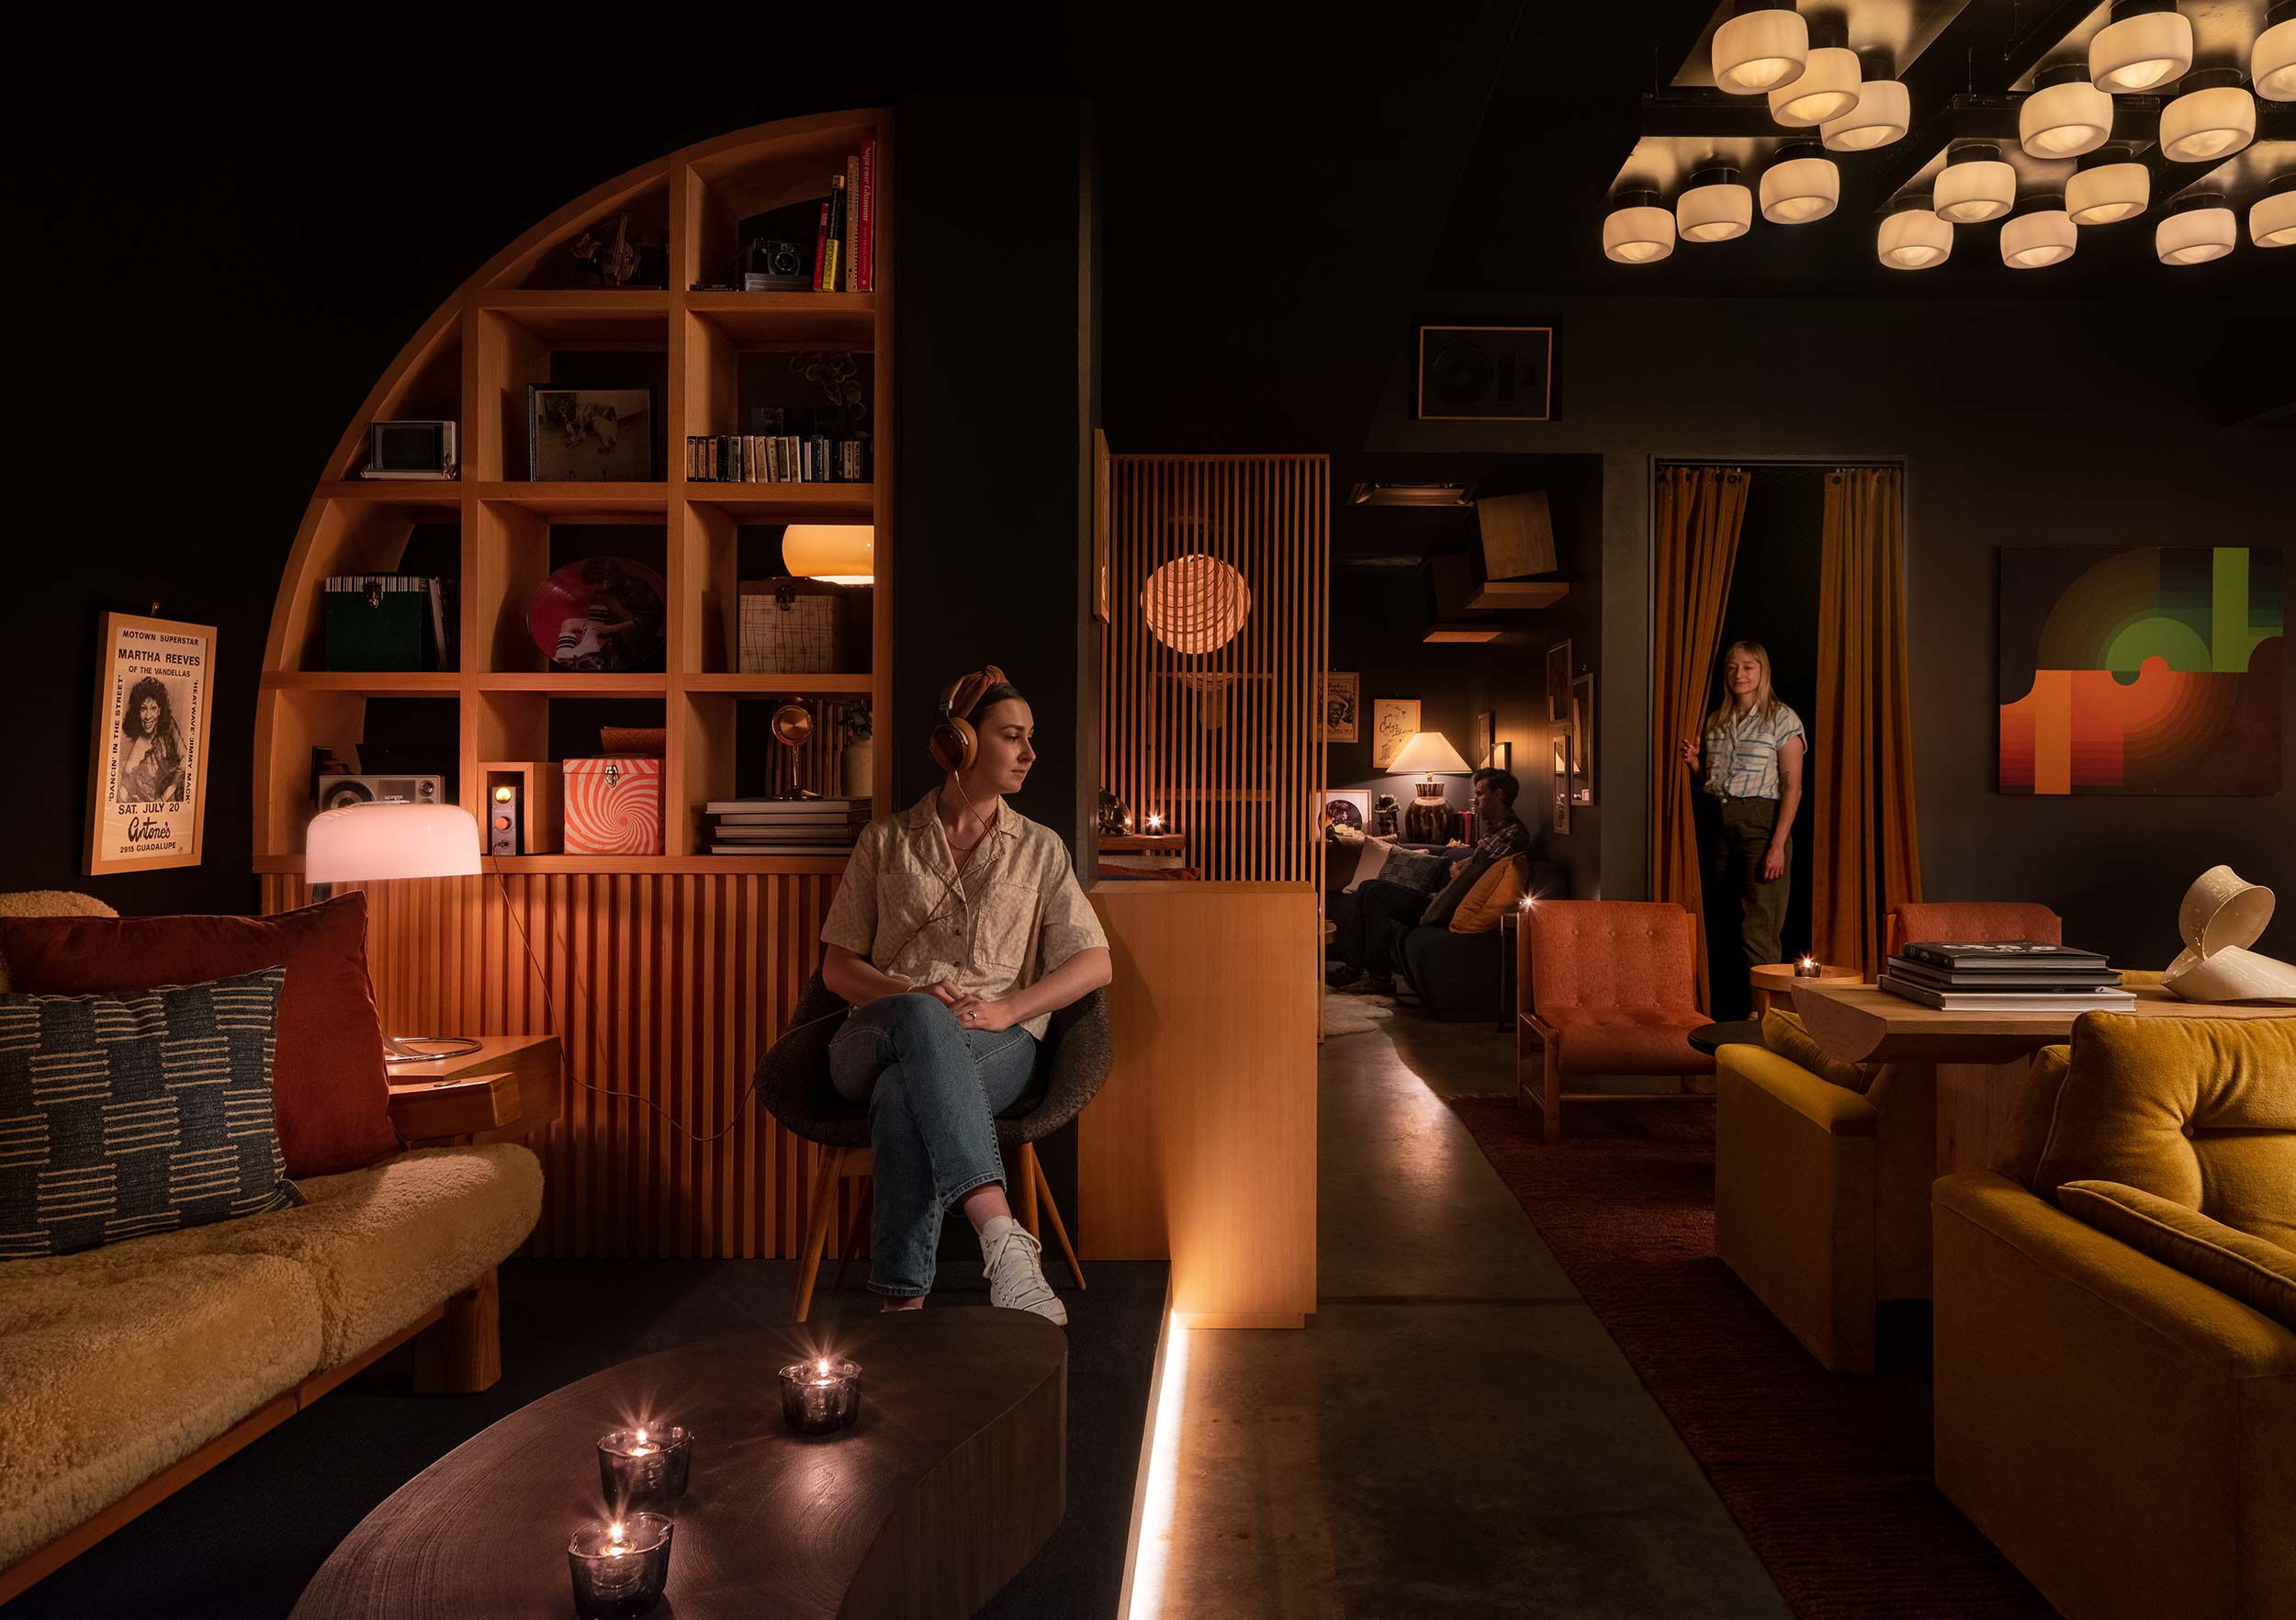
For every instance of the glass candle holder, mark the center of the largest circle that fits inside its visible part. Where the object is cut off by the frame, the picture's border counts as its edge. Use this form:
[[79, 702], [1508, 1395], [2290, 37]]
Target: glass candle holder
[[641, 1467], [620, 1566], [1807, 968], [820, 1397]]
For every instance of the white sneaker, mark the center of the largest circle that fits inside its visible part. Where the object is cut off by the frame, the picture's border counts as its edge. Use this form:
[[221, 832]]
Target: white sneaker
[[1016, 1275]]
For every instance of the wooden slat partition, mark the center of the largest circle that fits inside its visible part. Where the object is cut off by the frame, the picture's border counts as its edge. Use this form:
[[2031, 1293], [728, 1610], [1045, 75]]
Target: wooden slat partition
[[668, 985], [1222, 741]]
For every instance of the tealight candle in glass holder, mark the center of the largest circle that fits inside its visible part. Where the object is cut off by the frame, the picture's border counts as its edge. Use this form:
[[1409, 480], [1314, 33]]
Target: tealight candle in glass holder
[[822, 1396], [620, 1566], [642, 1466], [1807, 968]]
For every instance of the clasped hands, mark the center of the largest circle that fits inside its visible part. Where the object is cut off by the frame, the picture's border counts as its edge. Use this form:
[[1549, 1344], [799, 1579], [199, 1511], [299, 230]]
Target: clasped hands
[[974, 1012]]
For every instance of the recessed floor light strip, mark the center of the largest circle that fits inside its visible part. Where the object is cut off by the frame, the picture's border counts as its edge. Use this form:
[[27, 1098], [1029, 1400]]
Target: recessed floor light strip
[[1148, 1552]]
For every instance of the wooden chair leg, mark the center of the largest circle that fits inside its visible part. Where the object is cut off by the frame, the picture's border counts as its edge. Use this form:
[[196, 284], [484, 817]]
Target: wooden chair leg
[[817, 1228], [1052, 1208], [462, 1353], [1025, 1206], [1550, 1092], [864, 1195]]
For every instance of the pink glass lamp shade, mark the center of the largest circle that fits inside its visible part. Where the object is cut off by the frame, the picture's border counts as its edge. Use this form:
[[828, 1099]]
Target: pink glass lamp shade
[[363, 843]]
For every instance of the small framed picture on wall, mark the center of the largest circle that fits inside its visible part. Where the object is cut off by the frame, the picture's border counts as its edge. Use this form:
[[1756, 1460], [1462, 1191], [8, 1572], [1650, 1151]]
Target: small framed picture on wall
[[1340, 702], [1343, 807], [1582, 739], [1559, 741], [147, 778], [1486, 736], [1558, 683], [1393, 720]]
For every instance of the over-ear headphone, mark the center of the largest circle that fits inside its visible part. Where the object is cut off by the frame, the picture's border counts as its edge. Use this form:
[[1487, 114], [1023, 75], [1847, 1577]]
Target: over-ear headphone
[[954, 744]]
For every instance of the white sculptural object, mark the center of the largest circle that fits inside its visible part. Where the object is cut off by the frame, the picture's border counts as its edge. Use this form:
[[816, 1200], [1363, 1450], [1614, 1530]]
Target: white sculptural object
[[2221, 918]]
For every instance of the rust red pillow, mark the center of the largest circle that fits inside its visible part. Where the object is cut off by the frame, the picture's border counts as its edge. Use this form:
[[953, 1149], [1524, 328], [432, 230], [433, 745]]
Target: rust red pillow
[[331, 1094]]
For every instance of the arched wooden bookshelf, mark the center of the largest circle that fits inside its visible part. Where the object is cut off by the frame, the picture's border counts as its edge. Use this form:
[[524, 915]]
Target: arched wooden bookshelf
[[668, 973]]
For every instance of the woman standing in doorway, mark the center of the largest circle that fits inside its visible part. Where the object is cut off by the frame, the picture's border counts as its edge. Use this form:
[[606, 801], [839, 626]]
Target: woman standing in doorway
[[1751, 764]]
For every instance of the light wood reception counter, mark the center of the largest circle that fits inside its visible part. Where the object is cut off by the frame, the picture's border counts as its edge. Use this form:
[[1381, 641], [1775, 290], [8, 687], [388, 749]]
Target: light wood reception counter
[[1201, 1147]]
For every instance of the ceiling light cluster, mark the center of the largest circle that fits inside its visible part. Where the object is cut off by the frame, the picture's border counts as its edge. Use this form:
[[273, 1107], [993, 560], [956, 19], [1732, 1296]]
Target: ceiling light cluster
[[1765, 49]]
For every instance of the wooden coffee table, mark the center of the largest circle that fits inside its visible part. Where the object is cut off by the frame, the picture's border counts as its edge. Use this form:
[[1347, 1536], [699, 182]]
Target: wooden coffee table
[[953, 1476]]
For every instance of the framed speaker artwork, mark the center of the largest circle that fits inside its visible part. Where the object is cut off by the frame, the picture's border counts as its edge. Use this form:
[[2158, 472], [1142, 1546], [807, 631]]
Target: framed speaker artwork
[[148, 765], [1476, 373]]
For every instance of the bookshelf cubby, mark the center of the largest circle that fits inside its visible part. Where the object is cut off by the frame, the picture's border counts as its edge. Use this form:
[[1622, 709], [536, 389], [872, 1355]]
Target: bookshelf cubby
[[523, 319]]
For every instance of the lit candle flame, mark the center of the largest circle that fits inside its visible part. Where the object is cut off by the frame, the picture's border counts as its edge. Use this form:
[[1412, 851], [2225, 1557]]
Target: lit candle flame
[[1809, 961], [822, 1367], [1155, 821], [641, 1437], [616, 1547]]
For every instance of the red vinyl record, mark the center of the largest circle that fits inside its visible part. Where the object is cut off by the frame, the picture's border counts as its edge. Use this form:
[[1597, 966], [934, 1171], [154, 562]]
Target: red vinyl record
[[601, 613]]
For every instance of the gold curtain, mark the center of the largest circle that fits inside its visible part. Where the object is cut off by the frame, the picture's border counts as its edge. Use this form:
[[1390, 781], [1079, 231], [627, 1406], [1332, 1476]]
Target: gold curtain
[[1867, 856], [1699, 512]]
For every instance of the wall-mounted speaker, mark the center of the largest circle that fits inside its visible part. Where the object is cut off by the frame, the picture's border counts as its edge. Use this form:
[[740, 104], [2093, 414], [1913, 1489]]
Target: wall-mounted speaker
[[1486, 373]]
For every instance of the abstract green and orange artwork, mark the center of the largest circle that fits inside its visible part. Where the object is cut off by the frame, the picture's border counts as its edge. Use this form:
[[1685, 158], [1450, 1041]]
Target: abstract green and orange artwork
[[2149, 669]]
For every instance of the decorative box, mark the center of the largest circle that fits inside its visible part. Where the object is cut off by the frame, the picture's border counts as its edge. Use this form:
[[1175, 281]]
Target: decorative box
[[613, 805], [792, 627]]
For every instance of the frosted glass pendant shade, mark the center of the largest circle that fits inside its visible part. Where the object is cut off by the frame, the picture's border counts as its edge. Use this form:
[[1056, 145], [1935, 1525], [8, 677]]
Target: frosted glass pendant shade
[[2196, 233], [2272, 217], [2205, 124], [1974, 185], [2038, 238], [2140, 52], [1914, 238], [843, 553], [1826, 89], [2065, 119], [2272, 61], [1803, 185], [2106, 193], [1714, 208], [1880, 116], [1637, 230], [1756, 51]]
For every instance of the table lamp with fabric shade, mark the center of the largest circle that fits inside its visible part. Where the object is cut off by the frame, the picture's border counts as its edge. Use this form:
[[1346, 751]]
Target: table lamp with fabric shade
[[1428, 821], [370, 843]]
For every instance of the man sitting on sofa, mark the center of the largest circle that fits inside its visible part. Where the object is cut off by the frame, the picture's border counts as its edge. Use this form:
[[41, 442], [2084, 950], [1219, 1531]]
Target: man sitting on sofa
[[1365, 942]]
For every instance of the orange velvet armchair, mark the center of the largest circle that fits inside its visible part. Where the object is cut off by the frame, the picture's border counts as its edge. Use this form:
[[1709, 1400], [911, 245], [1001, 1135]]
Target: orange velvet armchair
[[1970, 920], [1614, 992]]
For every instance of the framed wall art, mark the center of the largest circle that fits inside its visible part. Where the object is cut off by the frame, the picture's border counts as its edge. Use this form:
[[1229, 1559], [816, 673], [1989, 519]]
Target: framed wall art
[[1582, 739], [1559, 787], [1393, 720], [1344, 807], [1340, 702], [1558, 683], [1486, 737], [148, 765]]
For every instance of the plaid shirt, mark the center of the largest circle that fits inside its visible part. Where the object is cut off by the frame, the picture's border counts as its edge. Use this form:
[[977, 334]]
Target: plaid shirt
[[1742, 756]]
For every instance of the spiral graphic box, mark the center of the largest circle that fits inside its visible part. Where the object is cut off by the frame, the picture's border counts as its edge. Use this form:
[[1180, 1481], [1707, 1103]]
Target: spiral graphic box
[[613, 806]]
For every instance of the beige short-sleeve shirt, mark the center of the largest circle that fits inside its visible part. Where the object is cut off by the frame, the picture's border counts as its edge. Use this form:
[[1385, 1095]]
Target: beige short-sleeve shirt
[[1014, 915]]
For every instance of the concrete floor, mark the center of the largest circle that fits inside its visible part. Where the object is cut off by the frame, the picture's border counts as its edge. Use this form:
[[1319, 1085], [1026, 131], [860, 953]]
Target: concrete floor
[[1453, 1436]]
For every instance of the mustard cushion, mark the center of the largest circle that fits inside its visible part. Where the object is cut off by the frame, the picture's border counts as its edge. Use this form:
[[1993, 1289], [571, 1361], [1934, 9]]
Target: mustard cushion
[[2017, 1154], [1785, 1034], [2201, 1111], [1498, 891], [2251, 1270]]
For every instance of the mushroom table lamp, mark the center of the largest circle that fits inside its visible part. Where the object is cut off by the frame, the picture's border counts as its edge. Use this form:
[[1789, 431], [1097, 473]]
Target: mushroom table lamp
[[367, 843], [1428, 821]]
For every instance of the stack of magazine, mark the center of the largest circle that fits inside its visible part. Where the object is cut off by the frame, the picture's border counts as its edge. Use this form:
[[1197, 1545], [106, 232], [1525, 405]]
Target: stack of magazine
[[782, 827], [2004, 975]]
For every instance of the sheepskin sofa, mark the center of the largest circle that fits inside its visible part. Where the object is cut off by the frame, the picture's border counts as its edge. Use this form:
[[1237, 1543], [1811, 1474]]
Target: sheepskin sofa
[[119, 1362]]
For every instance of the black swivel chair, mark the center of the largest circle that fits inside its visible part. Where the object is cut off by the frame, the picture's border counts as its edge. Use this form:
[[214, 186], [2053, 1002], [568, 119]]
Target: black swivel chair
[[793, 1082]]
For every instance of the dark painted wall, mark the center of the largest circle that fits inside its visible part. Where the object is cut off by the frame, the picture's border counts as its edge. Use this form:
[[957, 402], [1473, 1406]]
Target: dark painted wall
[[2065, 423]]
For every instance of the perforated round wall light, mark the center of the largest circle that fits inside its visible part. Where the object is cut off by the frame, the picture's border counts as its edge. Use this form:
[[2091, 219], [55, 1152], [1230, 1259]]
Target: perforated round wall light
[[1912, 237], [1637, 230], [2196, 229], [2213, 116], [2272, 217], [2272, 59], [1883, 112], [2066, 116], [2109, 187], [1714, 207], [2144, 46], [1826, 89], [2038, 234], [1801, 185], [1974, 185], [1195, 604], [1759, 49]]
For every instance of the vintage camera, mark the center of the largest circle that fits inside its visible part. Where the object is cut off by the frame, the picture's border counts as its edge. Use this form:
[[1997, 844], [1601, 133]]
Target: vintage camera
[[779, 258]]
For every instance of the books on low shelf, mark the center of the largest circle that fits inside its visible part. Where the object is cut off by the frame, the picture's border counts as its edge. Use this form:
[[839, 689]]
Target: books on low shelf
[[2004, 975], [782, 827]]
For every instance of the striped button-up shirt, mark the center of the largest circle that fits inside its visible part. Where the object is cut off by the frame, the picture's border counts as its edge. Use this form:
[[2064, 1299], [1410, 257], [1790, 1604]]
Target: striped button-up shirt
[[1742, 756]]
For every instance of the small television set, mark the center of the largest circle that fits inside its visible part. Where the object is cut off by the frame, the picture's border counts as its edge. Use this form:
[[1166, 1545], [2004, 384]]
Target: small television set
[[411, 450]]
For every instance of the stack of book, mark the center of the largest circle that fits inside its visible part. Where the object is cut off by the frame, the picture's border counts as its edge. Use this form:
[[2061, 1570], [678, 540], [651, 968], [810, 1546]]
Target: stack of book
[[782, 827], [784, 445], [2004, 975], [845, 245]]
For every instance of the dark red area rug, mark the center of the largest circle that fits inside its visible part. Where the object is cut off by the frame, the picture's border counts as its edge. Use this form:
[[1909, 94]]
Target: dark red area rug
[[1828, 1476]]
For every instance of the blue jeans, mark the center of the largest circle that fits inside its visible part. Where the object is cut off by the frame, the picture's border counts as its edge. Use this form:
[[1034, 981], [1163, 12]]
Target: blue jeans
[[934, 1090]]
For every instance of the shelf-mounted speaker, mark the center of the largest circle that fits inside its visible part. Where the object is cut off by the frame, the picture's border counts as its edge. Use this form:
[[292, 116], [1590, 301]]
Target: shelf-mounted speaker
[[1486, 373]]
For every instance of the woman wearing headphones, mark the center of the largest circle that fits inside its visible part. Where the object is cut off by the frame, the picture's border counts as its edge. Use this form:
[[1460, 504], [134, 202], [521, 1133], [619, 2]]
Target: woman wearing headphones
[[959, 930]]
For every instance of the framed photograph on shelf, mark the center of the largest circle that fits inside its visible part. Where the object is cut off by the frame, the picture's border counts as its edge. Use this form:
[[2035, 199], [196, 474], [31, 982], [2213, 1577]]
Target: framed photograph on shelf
[[1558, 739], [1501, 757], [1582, 739], [590, 436], [1340, 703], [1558, 682], [1343, 807], [148, 767], [1486, 736], [1393, 720]]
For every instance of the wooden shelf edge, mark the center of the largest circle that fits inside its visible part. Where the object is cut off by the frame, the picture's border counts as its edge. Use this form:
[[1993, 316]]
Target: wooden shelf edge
[[642, 301], [431, 494], [774, 685], [367, 682], [805, 303], [545, 495], [623, 865], [568, 684]]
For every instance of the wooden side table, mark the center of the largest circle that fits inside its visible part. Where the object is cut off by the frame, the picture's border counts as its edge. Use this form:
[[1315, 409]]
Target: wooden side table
[[1772, 984], [508, 1087]]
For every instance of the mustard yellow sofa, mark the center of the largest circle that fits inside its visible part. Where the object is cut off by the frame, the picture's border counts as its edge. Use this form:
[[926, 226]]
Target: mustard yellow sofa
[[127, 1370], [2122, 1426], [1821, 1185]]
